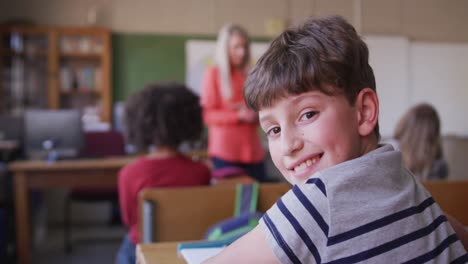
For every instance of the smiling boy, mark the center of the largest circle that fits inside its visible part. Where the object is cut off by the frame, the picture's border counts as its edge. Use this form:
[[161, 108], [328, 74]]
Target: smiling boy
[[324, 128], [352, 200]]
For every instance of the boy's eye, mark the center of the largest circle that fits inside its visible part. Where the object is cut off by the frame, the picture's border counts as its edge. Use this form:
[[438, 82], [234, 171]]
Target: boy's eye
[[308, 115], [273, 131]]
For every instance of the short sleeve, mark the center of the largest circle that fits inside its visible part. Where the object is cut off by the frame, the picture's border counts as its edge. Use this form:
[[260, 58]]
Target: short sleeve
[[125, 195], [296, 227]]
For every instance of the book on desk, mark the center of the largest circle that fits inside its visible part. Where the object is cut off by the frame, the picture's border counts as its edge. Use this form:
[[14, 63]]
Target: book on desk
[[199, 251]]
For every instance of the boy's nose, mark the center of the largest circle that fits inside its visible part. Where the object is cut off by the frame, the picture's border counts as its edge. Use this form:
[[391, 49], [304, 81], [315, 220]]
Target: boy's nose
[[291, 144]]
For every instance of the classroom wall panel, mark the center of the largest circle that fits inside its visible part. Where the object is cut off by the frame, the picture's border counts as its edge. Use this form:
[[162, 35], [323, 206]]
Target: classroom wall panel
[[251, 14], [164, 16], [440, 76], [431, 20], [435, 20], [300, 10], [382, 17], [332, 7], [56, 12], [388, 56], [409, 72]]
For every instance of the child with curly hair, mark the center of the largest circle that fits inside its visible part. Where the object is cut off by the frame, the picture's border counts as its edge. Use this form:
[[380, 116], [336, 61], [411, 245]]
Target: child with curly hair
[[162, 115]]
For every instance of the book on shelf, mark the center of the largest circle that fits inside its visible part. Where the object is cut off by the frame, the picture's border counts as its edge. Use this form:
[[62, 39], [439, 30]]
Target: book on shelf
[[88, 78], [98, 78], [66, 79], [84, 78]]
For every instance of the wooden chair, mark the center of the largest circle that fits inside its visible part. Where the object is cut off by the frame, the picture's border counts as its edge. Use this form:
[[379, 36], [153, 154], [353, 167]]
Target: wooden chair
[[452, 196], [177, 214]]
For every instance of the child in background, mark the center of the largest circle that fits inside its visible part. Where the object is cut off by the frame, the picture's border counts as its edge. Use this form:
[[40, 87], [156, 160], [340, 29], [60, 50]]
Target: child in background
[[353, 201], [418, 137], [162, 116]]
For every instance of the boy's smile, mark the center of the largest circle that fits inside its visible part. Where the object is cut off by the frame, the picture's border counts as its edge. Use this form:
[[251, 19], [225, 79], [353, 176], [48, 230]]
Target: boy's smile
[[311, 132]]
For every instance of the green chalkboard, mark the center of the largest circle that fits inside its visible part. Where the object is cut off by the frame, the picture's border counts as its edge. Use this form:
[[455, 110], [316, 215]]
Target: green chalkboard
[[141, 58]]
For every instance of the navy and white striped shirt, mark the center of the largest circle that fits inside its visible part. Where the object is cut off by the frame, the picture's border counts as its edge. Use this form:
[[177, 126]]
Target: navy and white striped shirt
[[366, 210]]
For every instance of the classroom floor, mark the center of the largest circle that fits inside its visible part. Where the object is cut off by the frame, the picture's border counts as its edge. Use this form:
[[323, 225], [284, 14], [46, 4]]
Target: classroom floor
[[91, 244]]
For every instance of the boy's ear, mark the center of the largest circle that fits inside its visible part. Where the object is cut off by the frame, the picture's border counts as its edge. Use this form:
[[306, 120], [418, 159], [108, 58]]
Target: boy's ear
[[367, 107]]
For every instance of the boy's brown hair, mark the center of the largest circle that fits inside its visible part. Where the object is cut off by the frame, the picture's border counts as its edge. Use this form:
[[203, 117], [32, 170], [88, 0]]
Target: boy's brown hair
[[319, 54]]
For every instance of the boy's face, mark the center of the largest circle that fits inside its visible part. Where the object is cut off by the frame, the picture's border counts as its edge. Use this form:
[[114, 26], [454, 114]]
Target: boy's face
[[310, 132]]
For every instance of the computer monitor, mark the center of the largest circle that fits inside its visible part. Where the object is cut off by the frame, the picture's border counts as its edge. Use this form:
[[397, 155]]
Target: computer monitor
[[62, 127]]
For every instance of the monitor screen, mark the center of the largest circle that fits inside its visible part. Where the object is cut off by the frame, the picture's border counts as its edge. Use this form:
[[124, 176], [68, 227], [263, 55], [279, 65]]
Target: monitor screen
[[61, 127]]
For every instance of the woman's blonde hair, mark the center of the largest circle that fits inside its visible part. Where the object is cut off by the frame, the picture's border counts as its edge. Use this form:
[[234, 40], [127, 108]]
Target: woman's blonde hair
[[222, 56], [418, 133]]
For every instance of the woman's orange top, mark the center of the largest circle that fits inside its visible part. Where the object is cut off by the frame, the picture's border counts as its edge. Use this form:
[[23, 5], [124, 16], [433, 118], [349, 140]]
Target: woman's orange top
[[228, 138]]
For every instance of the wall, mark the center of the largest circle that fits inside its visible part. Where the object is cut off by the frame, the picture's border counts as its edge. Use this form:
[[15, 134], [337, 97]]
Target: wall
[[149, 35], [428, 20], [439, 74], [410, 72]]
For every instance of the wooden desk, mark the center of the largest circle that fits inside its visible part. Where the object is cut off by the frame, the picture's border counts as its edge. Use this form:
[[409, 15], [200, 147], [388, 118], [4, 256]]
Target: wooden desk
[[158, 253], [65, 174], [41, 175]]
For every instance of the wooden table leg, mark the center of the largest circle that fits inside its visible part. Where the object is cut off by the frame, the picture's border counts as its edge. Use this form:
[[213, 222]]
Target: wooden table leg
[[23, 234]]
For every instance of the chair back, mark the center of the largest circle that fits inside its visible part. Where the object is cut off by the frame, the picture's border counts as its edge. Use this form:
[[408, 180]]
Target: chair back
[[452, 197], [178, 214]]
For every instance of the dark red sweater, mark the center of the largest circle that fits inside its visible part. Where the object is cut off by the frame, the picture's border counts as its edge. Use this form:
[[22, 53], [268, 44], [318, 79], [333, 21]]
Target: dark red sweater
[[147, 173]]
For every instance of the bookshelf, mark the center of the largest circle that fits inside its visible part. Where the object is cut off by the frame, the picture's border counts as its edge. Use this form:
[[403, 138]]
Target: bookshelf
[[55, 68]]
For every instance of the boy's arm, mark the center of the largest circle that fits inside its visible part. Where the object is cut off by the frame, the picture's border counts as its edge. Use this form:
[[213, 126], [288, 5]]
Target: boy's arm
[[251, 248]]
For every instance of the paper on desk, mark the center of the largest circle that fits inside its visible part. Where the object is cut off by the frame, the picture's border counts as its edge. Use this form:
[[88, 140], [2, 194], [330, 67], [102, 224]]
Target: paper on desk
[[198, 255]]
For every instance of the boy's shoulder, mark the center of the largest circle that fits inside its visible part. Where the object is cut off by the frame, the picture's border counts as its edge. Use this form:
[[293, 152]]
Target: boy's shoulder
[[379, 163], [358, 188], [354, 207]]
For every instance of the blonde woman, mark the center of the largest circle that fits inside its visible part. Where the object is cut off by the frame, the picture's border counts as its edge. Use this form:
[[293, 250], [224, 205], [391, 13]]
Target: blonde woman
[[233, 139], [418, 136]]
